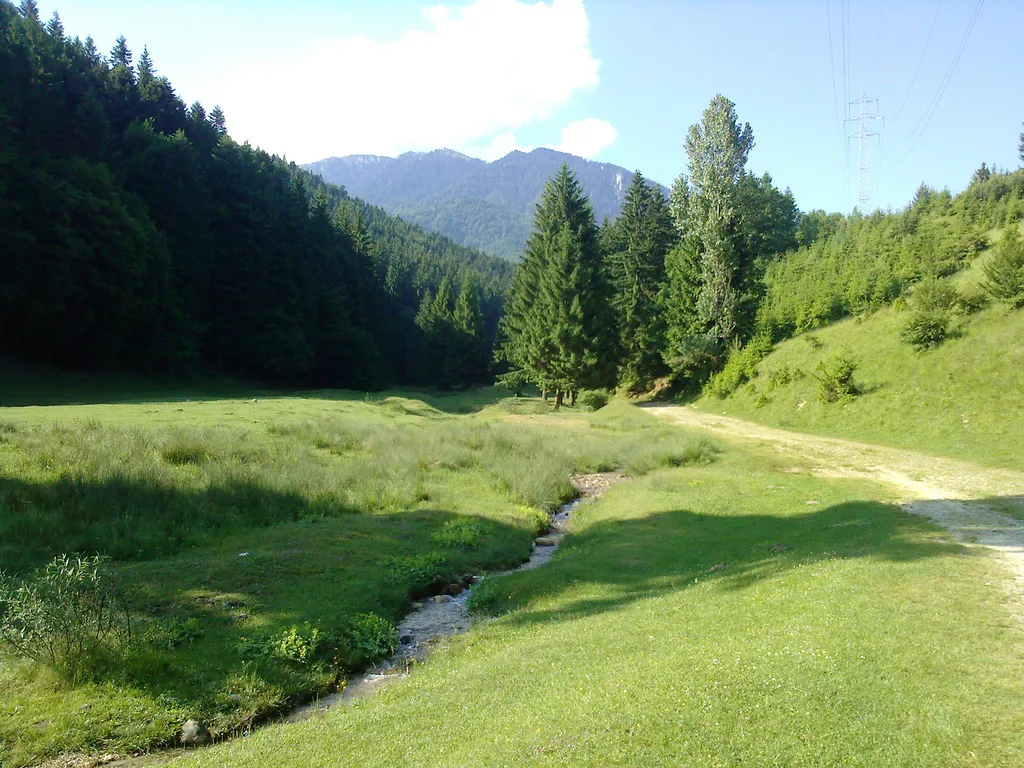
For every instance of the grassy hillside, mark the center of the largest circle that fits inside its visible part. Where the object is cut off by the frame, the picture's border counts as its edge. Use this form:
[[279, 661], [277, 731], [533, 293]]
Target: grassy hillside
[[722, 615], [963, 399]]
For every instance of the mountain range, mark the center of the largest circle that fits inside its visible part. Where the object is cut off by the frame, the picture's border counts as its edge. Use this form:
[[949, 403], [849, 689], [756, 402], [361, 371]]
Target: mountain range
[[485, 205]]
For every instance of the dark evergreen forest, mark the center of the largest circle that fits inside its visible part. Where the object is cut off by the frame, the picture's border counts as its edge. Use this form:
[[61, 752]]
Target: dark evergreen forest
[[135, 234]]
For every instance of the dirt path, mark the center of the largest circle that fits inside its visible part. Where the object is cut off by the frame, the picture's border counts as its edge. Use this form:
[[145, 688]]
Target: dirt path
[[961, 497]]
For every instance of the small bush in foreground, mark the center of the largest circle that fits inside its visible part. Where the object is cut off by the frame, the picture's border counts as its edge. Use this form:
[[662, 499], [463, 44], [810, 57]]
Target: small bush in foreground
[[835, 378], [64, 614]]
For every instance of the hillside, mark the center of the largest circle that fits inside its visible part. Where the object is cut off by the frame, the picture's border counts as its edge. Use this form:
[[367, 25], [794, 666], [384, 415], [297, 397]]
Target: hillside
[[960, 399], [489, 206], [139, 236]]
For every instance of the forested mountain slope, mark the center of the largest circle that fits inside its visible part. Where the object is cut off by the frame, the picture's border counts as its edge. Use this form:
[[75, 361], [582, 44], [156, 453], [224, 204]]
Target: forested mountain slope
[[485, 205], [138, 235]]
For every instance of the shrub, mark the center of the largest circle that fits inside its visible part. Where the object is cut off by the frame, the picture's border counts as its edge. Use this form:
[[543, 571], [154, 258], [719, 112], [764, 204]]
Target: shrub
[[932, 294], [593, 399], [1004, 272], [933, 303], [63, 615], [369, 638], [925, 329], [298, 643], [971, 301], [780, 377], [835, 382], [740, 366]]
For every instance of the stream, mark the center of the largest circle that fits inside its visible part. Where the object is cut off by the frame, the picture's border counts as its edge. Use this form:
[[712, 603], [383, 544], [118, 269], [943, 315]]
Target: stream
[[434, 619]]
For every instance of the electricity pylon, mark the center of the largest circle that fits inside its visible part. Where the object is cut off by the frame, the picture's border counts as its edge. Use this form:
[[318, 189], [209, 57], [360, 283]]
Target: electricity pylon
[[863, 136]]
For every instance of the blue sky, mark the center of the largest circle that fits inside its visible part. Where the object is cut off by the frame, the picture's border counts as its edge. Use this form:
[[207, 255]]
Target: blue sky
[[615, 80]]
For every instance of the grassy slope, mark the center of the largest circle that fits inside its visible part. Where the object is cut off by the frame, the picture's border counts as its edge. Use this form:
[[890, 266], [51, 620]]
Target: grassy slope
[[964, 399], [870, 641], [344, 506]]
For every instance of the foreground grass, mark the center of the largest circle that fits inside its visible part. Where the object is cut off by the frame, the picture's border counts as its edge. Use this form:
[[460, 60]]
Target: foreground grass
[[726, 615], [962, 399], [233, 522]]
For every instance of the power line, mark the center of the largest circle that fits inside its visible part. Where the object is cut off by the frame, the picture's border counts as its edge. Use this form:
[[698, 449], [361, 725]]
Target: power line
[[933, 106], [832, 66], [920, 61], [878, 37]]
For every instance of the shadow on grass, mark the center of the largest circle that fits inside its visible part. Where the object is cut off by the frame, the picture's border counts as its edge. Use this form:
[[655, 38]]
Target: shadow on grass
[[250, 564], [667, 551], [38, 386]]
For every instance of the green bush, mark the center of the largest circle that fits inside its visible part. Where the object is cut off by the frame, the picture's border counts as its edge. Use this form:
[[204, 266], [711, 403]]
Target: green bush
[[925, 329], [835, 378], [780, 377], [369, 638], [740, 366], [593, 399], [932, 294], [64, 614], [1004, 272], [298, 643]]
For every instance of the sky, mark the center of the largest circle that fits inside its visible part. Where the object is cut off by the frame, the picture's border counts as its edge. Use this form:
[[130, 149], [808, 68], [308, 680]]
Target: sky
[[616, 81]]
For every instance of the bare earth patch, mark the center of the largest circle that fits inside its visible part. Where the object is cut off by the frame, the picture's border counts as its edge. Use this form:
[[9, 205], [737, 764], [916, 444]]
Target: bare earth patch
[[961, 497]]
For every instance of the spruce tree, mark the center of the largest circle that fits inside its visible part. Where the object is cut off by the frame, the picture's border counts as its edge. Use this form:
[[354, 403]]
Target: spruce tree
[[120, 55], [638, 242], [470, 350], [218, 121], [556, 329], [146, 70]]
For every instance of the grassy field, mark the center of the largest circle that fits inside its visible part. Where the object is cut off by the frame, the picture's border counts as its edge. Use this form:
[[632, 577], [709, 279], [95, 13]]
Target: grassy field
[[739, 613], [964, 399], [236, 524]]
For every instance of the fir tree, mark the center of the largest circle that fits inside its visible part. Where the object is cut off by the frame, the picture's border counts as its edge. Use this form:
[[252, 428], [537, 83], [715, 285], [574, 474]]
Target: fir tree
[[470, 363], [146, 70], [556, 331], [218, 121], [30, 12], [54, 28], [638, 242], [120, 55]]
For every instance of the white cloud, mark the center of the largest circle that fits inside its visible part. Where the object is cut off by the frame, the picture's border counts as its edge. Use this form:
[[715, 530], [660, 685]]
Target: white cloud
[[587, 137], [480, 71]]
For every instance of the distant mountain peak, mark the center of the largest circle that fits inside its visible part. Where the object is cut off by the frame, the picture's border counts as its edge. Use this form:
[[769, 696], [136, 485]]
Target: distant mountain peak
[[485, 205]]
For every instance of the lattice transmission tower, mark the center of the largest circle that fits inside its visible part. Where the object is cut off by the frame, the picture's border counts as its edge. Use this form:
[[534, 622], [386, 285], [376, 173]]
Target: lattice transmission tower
[[863, 135]]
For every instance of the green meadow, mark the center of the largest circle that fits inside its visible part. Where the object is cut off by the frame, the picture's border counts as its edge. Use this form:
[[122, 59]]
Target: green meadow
[[267, 546], [737, 612]]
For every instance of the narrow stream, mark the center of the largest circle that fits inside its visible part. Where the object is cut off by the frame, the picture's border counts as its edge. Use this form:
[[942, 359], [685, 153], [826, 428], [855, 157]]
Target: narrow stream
[[431, 621], [437, 618]]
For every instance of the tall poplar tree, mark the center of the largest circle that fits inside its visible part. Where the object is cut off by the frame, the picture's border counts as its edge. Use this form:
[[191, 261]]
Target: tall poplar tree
[[556, 330], [637, 243], [706, 207]]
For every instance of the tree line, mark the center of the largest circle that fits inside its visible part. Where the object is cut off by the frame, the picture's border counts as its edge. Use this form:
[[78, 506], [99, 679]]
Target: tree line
[[138, 235], [664, 290], [691, 291]]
